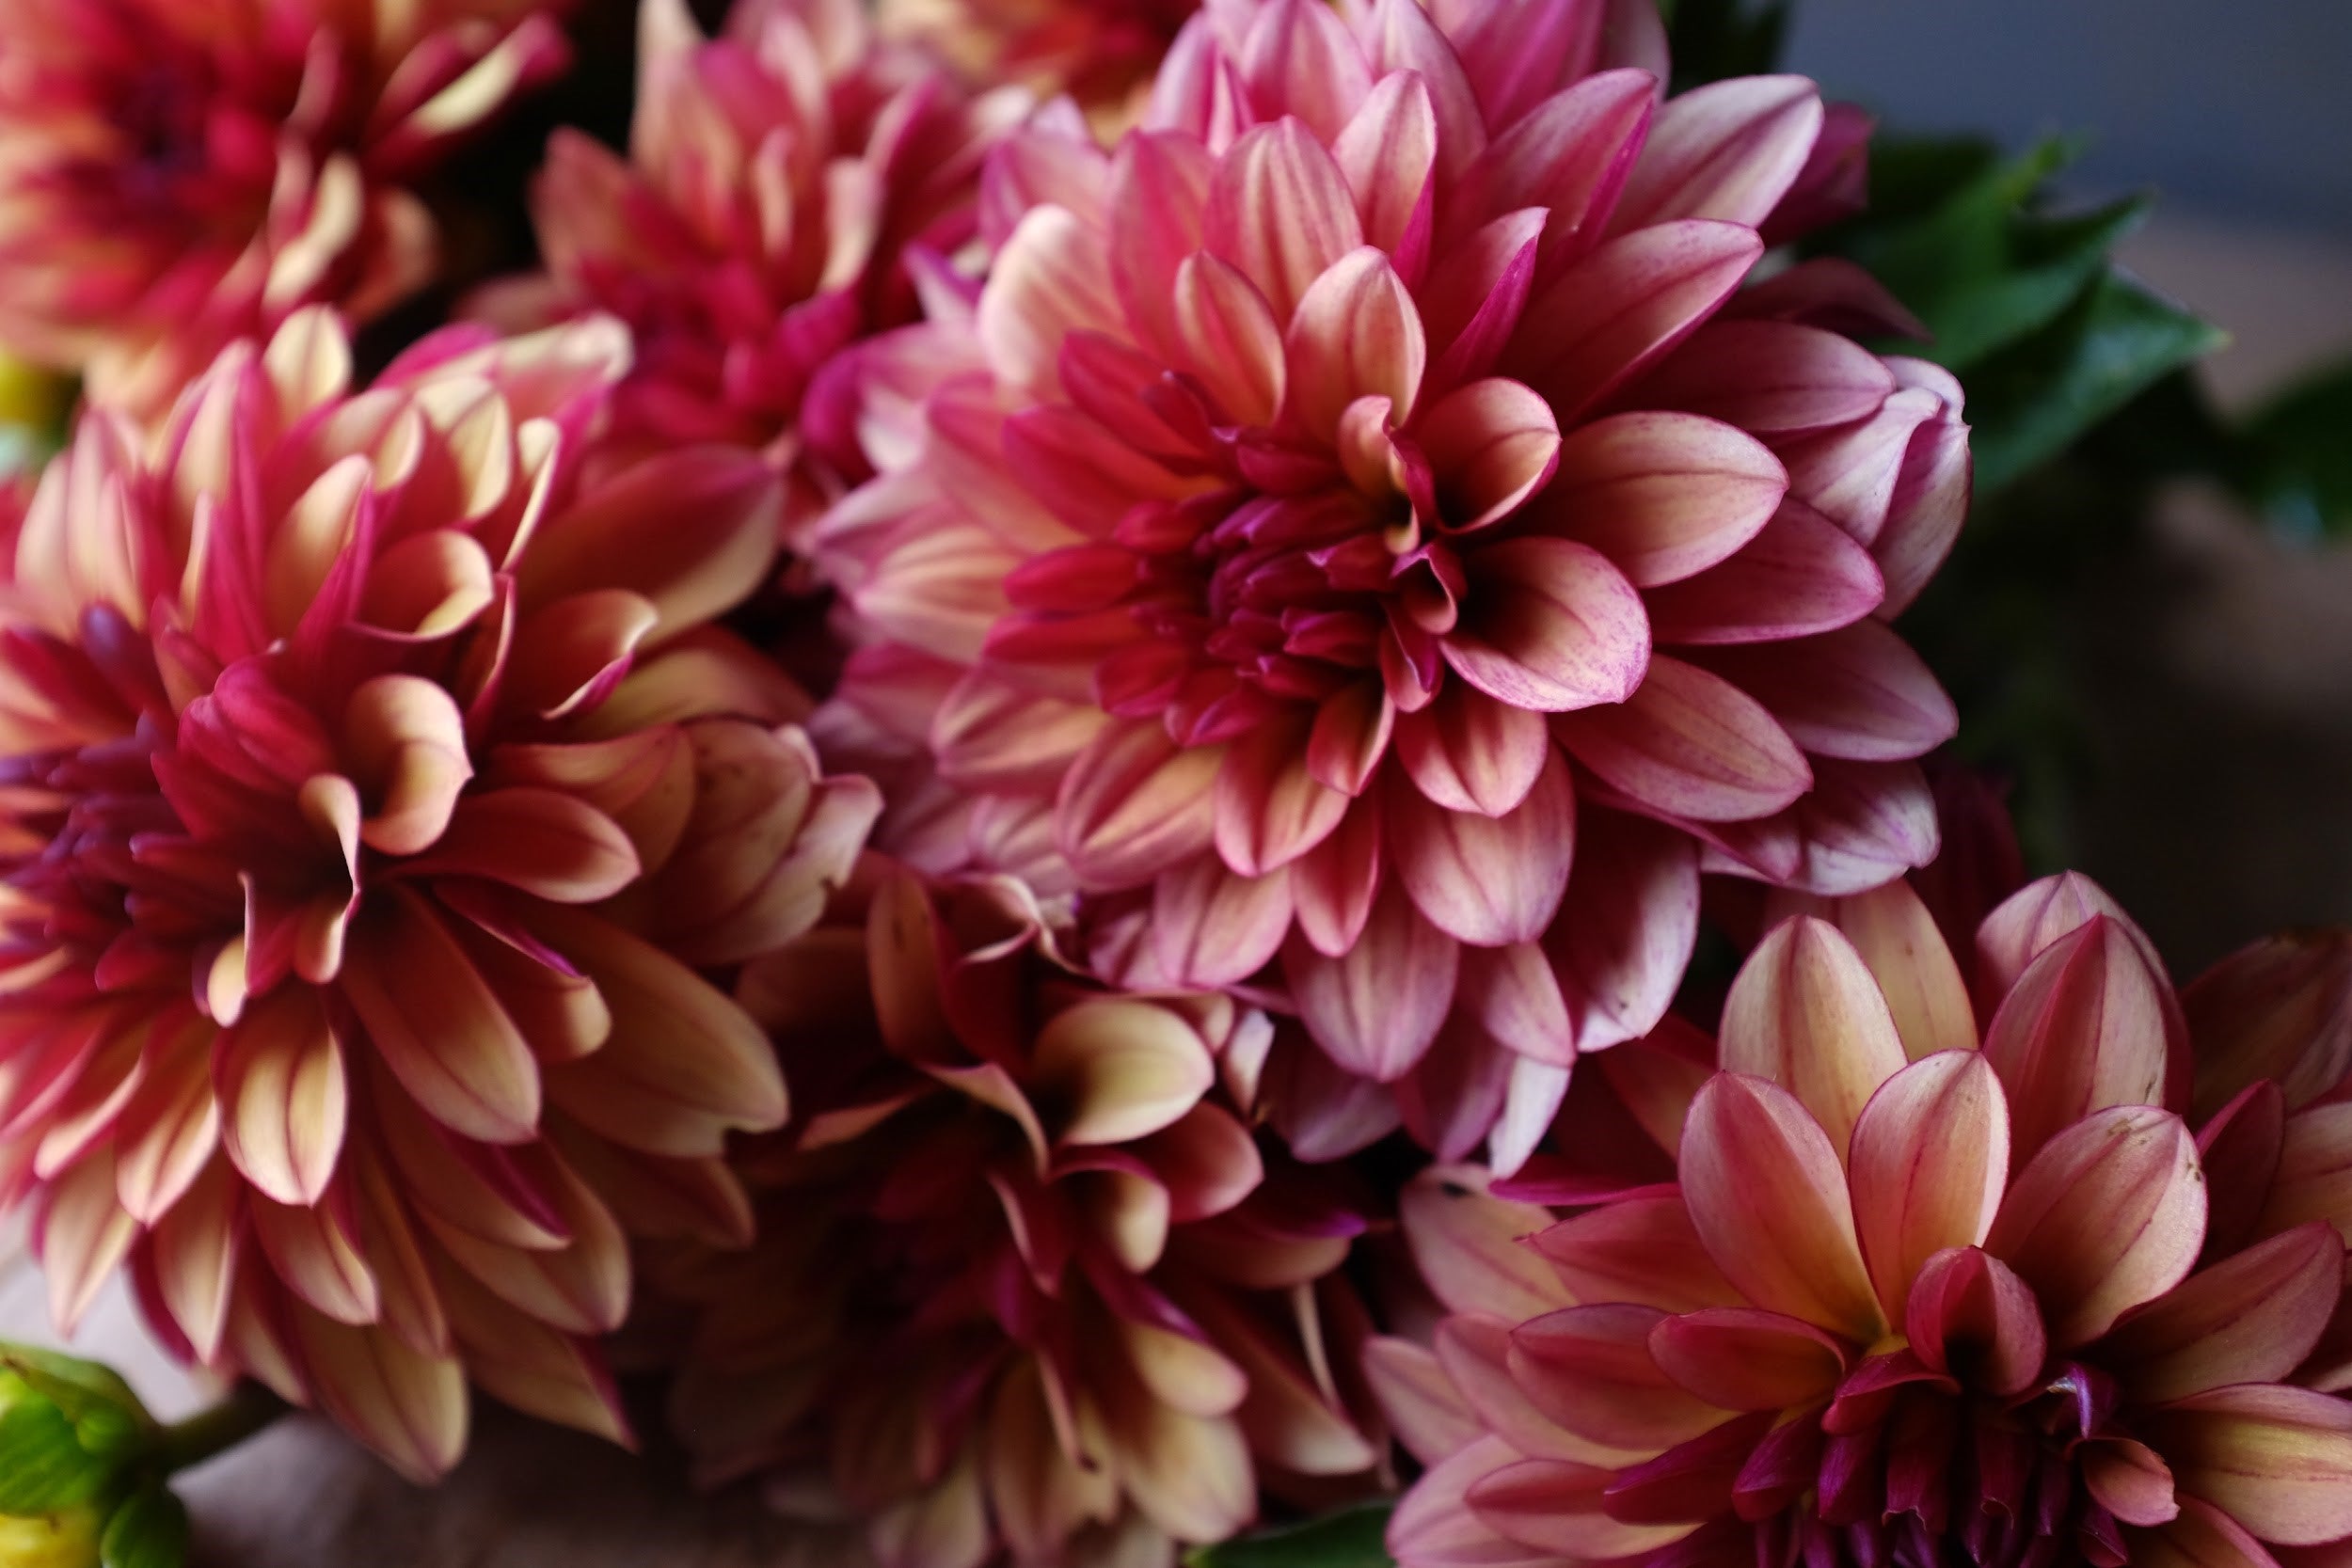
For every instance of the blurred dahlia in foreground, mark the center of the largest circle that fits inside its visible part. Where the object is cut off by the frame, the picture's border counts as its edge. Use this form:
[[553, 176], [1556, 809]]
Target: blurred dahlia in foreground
[[1905, 1301], [175, 175], [780, 178], [1364, 546], [1025, 1291], [373, 780]]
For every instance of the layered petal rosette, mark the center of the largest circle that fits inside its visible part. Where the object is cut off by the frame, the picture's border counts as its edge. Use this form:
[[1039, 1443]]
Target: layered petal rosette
[[175, 174], [1365, 544], [1027, 1293], [1907, 1300], [372, 782], [779, 178]]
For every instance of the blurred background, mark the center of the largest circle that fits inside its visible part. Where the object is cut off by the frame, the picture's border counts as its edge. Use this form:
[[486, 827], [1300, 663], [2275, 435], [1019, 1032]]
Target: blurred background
[[2207, 665]]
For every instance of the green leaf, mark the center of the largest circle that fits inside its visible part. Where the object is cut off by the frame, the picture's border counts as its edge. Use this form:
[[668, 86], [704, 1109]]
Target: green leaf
[[2031, 404], [1353, 1538], [108, 1416], [2299, 454], [43, 1466], [149, 1530]]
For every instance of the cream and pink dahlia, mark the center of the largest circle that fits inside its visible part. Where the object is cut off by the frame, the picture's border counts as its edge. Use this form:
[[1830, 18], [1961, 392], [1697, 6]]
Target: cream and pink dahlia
[[786, 183], [374, 788], [1101, 53], [1027, 1293], [1909, 1299], [1365, 543], [176, 174]]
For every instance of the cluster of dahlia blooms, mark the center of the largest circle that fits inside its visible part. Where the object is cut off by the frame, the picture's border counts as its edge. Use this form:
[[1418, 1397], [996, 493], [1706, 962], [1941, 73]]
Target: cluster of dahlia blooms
[[932, 776]]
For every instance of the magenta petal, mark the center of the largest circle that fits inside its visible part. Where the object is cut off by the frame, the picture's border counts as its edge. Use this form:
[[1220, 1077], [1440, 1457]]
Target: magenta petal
[[1488, 880], [1377, 1007], [1550, 625]]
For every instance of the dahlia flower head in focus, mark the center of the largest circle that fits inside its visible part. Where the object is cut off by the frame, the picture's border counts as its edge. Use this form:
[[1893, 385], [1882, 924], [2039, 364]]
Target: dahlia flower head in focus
[[787, 185], [177, 174], [375, 788], [1903, 1297], [1027, 1290], [1372, 544]]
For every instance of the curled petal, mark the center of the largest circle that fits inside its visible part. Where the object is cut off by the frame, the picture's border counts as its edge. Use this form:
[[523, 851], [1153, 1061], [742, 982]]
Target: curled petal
[[1928, 1168], [2088, 1025], [1118, 1071]]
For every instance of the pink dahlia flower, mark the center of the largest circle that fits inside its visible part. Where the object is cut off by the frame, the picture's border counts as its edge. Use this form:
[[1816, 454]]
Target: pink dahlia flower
[[1101, 53], [175, 174], [373, 780], [779, 179], [1025, 1291], [1907, 1299], [1365, 545]]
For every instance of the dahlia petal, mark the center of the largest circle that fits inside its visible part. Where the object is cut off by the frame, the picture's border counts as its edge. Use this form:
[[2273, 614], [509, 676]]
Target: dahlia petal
[[1929, 1163], [1492, 443], [409, 1298], [1628, 927], [1118, 1071], [1799, 577], [1930, 501], [1849, 475], [1806, 1012], [82, 1235], [1270, 808], [1085, 475], [1570, 155], [1637, 1249], [2205, 1537], [1135, 803], [408, 743], [2027, 921], [1207, 1162], [1689, 744], [1212, 927], [1417, 1398], [1728, 149], [1467, 1245], [1050, 280], [1301, 56], [1227, 336], [683, 1065], [1557, 1506], [1468, 753], [1833, 294], [1548, 625], [1453, 1096], [1400, 37], [1891, 928], [2240, 1149], [2314, 1171], [1386, 151], [693, 531], [1531, 1103], [553, 846], [2110, 1213], [1322, 1111], [2275, 1010], [1280, 210], [1514, 997], [2275, 1460], [439, 1026], [167, 1131], [1516, 59], [537, 1369], [1377, 1007], [1771, 378], [579, 1288], [1858, 692], [1590, 1370], [409, 1408], [279, 1077], [194, 1248], [1159, 191], [1472, 299], [2084, 1028], [1488, 880], [1333, 886], [1738, 1358], [316, 1255], [1356, 333], [1769, 1200], [989, 733], [1187, 1474], [1663, 495], [1433, 1525], [1475, 1351], [1965, 1299], [2130, 1480], [2251, 1318], [1618, 310], [1350, 736]]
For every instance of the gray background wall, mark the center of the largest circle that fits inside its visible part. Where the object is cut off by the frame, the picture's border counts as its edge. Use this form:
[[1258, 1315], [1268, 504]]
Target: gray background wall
[[2239, 109]]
